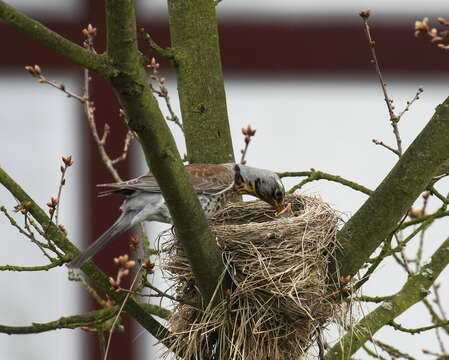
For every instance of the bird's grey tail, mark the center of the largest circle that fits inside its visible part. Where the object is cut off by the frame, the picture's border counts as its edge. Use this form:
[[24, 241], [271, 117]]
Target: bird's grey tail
[[122, 224]]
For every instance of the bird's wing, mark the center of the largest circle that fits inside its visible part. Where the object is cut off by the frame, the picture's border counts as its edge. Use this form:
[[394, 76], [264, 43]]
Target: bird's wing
[[145, 183], [205, 178], [210, 179]]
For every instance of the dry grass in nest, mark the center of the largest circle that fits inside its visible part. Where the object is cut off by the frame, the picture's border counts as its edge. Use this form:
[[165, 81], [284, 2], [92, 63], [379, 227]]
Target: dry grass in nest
[[279, 296]]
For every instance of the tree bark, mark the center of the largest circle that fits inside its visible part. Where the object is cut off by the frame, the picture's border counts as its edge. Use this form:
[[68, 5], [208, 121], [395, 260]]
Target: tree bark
[[195, 44], [383, 210]]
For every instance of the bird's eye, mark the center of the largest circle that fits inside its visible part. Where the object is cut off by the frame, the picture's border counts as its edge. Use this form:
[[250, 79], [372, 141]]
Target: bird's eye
[[279, 195]]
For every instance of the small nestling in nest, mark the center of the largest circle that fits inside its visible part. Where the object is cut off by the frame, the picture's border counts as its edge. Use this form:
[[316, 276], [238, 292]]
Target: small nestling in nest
[[279, 297]]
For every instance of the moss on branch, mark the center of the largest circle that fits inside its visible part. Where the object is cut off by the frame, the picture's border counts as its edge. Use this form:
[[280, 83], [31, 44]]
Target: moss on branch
[[53, 264], [380, 214], [94, 319], [122, 66], [145, 118], [95, 274], [314, 175], [54, 41], [195, 43], [415, 289]]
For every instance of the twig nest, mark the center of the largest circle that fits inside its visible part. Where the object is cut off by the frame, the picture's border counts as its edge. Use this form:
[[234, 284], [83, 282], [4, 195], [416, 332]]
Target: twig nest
[[279, 295]]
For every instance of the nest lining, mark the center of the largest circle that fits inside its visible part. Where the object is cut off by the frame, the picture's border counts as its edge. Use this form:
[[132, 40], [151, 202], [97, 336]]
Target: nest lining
[[279, 297]]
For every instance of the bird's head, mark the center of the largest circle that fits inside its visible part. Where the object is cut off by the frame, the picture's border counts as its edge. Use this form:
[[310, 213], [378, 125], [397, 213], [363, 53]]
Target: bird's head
[[263, 184]]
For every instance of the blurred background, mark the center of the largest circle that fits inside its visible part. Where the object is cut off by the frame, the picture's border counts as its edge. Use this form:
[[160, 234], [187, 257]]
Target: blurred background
[[297, 71]]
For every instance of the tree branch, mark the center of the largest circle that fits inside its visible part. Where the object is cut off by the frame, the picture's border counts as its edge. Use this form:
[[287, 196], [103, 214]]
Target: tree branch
[[414, 290], [54, 41], [92, 318], [53, 264], [99, 278], [320, 175], [380, 214], [146, 119], [194, 40]]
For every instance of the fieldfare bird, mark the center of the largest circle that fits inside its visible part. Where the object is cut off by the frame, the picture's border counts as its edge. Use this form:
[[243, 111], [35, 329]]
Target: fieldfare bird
[[214, 185]]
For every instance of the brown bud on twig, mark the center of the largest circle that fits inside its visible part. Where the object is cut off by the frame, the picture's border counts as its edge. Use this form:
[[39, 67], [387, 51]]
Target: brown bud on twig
[[30, 69], [62, 86], [37, 69], [365, 14], [416, 212], [442, 21], [63, 229], [130, 264], [68, 160], [421, 27], [28, 205], [251, 131], [135, 240], [124, 273], [85, 32], [113, 282], [90, 28]]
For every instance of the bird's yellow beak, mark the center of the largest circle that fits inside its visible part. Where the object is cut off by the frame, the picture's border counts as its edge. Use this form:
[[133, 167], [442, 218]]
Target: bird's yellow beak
[[279, 207], [286, 211]]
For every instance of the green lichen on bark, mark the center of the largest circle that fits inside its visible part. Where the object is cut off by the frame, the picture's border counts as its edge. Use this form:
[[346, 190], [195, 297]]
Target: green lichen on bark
[[145, 118], [194, 37], [380, 214], [62, 46], [99, 278], [415, 289]]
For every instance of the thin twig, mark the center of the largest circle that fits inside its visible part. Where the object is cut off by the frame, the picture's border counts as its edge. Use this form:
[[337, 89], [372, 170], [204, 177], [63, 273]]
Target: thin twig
[[128, 138], [409, 103], [36, 72], [162, 92], [416, 330], [248, 133], [393, 117], [168, 296], [314, 175], [381, 143], [437, 301], [392, 351], [374, 60], [118, 314], [89, 111], [167, 53]]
